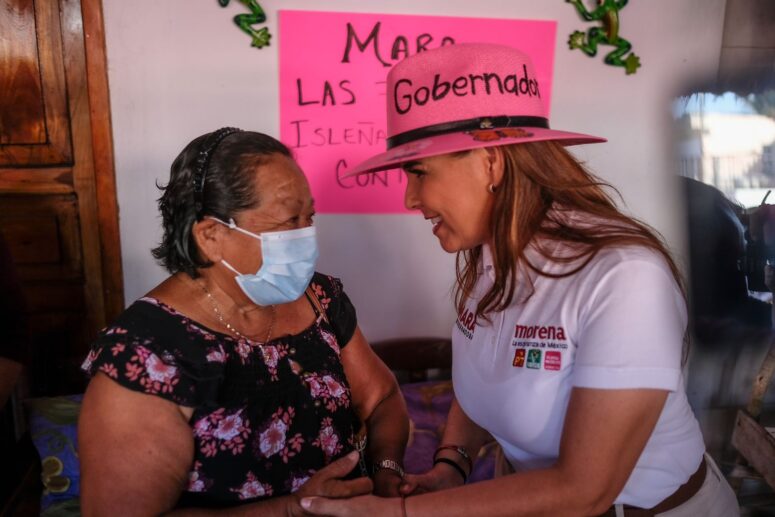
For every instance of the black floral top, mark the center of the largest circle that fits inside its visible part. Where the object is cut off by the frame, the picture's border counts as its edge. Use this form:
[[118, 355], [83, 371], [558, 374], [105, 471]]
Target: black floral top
[[266, 415]]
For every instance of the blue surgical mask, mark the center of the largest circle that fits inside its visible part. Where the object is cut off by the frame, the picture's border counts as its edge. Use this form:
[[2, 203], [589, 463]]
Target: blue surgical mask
[[288, 265]]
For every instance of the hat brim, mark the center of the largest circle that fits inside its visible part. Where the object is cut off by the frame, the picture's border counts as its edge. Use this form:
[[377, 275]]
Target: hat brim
[[464, 141]]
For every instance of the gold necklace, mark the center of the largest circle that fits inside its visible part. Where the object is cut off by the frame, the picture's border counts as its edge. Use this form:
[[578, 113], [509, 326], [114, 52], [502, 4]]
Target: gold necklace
[[228, 325]]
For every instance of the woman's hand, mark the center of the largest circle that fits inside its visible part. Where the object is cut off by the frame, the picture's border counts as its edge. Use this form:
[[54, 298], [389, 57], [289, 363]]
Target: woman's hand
[[369, 505], [327, 482], [441, 476]]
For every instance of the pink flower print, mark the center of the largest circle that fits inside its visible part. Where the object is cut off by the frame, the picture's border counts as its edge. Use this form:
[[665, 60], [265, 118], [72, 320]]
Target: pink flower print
[[110, 370], [271, 356], [331, 391], [334, 388], [232, 430], [252, 488], [216, 355], [158, 371], [117, 349], [330, 339], [243, 349], [133, 370], [194, 483], [321, 294], [228, 428], [316, 388], [141, 354], [209, 449], [292, 447], [272, 440], [221, 432], [93, 354], [202, 427], [329, 441], [297, 483]]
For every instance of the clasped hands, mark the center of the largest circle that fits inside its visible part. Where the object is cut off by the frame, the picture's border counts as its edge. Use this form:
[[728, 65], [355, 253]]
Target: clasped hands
[[327, 494]]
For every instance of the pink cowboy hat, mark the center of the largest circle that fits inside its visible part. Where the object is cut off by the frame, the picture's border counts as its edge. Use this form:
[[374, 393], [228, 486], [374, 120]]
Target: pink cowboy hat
[[462, 97]]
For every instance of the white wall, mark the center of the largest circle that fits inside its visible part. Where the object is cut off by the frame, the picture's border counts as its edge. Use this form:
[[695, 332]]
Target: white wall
[[180, 68]]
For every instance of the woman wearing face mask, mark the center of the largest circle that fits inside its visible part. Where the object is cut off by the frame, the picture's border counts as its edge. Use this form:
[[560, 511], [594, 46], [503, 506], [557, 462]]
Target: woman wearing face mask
[[571, 356], [242, 380]]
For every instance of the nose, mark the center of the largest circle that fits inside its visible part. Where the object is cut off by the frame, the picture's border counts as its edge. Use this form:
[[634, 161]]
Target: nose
[[412, 194]]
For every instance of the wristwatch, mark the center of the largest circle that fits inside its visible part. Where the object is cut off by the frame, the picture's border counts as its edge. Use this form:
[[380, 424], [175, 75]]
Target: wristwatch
[[389, 465]]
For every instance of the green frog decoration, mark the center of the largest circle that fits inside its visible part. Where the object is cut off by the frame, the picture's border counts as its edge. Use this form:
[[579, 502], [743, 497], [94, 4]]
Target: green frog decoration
[[607, 13], [246, 21]]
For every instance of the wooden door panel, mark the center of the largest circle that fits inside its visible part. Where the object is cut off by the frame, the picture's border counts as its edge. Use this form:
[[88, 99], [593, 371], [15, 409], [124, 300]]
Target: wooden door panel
[[34, 123], [45, 300], [54, 180], [22, 116], [44, 236], [58, 208]]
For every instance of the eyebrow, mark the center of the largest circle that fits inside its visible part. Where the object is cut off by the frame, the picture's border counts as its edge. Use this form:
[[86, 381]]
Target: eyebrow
[[410, 165], [301, 211]]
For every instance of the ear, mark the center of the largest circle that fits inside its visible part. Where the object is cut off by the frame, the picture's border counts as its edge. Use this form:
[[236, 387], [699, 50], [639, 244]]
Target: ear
[[495, 164], [208, 235]]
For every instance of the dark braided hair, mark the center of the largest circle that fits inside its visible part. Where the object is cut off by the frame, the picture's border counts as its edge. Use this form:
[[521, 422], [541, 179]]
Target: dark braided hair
[[213, 175]]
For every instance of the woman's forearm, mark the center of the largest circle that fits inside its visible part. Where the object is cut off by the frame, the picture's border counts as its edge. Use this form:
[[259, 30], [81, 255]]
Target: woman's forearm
[[388, 428], [540, 492], [463, 432], [284, 506]]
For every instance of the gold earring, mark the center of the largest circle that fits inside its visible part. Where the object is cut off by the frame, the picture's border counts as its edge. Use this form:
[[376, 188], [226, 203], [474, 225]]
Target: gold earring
[[491, 188]]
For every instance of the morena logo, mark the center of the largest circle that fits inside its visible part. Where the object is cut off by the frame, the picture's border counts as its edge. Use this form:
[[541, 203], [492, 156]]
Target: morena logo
[[540, 332]]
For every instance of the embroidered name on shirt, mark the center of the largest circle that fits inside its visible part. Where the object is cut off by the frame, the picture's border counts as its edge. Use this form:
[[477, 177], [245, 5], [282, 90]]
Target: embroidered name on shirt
[[466, 323]]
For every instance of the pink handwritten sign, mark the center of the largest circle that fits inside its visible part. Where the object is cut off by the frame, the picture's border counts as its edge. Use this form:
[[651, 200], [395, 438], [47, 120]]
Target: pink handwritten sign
[[332, 91]]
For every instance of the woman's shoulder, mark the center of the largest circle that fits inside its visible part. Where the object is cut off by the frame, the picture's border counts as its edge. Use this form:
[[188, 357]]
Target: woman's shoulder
[[153, 324], [153, 349], [631, 256], [629, 267], [144, 315]]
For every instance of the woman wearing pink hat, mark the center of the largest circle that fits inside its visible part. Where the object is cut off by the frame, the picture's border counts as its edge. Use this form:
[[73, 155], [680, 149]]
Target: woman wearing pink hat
[[569, 344]]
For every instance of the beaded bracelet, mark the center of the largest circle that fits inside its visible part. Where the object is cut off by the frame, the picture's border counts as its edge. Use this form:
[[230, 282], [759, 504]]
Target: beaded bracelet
[[452, 464], [458, 449]]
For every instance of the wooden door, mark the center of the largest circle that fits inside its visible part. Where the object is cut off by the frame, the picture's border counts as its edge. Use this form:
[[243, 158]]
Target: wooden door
[[58, 208]]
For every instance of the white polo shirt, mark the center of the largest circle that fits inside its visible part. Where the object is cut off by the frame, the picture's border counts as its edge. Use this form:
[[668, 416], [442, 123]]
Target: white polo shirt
[[617, 324]]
